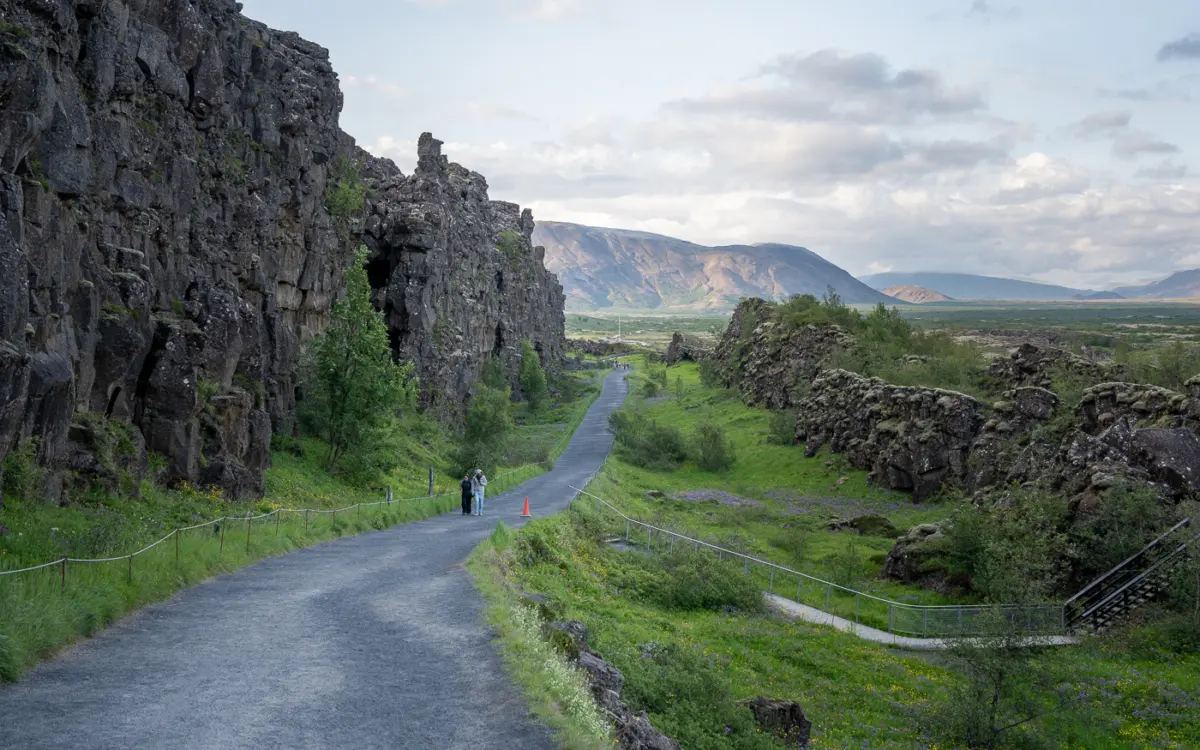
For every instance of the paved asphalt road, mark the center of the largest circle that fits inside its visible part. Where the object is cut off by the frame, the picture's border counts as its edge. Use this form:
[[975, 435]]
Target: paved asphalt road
[[370, 641]]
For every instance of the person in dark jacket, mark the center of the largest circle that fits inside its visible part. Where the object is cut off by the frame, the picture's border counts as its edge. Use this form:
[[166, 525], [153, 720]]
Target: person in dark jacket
[[467, 494]]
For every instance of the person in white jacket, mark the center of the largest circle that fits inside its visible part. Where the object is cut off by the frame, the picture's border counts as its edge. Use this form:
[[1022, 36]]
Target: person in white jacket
[[478, 483]]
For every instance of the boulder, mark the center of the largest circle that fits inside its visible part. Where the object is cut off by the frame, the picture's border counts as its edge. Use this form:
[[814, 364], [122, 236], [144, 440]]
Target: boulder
[[868, 525], [1032, 365], [910, 560], [687, 347], [784, 719]]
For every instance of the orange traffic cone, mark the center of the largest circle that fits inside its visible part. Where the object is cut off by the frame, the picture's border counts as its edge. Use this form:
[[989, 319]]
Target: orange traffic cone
[[525, 513]]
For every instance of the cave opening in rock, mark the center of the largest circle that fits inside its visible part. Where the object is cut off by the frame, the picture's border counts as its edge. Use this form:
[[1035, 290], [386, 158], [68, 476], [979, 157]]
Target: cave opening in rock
[[379, 271], [498, 346]]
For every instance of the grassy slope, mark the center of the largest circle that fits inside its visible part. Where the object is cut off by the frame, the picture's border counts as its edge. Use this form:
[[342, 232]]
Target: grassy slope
[[858, 695], [38, 616]]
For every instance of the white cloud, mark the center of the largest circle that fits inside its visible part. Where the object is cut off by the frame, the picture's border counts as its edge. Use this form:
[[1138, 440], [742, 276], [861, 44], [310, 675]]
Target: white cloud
[[555, 10], [371, 83], [922, 176]]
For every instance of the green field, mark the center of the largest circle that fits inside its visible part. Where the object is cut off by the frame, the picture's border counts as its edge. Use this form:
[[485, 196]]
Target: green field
[[689, 665]]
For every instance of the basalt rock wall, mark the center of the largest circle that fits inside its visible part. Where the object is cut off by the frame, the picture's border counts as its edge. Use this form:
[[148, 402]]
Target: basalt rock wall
[[166, 248], [457, 276]]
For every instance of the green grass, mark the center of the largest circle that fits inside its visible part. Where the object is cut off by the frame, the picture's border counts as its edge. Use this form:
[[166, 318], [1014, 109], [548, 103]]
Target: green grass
[[795, 497], [857, 694], [556, 692]]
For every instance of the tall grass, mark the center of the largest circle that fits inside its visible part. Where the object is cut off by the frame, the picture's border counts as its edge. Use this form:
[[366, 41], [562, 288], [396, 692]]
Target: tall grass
[[44, 610]]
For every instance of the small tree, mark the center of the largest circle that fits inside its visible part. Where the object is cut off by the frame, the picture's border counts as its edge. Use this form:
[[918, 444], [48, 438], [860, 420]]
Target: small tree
[[532, 377], [357, 386], [678, 388], [494, 374], [485, 434], [713, 451]]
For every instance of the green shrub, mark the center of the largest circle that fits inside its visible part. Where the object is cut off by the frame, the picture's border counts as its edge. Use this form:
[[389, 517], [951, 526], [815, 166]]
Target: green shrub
[[690, 581], [532, 378], [845, 566], [494, 374], [646, 443], [1014, 552], [20, 475], [710, 374], [783, 427], [345, 193], [485, 433], [650, 388], [1126, 520], [512, 246], [690, 697], [714, 452]]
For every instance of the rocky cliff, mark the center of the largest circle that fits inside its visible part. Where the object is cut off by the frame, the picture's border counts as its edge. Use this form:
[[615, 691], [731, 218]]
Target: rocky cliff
[[457, 275], [166, 247]]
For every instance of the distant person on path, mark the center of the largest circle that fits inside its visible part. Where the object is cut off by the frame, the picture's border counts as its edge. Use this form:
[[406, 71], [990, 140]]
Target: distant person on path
[[478, 483], [468, 491]]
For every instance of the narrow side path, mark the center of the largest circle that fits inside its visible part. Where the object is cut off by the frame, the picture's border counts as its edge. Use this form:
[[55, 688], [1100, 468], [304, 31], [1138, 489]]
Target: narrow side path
[[370, 641], [804, 612]]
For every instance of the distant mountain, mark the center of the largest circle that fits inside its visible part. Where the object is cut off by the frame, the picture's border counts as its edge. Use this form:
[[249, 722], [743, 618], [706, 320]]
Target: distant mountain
[[616, 268], [1098, 295], [915, 294], [966, 286], [1178, 285]]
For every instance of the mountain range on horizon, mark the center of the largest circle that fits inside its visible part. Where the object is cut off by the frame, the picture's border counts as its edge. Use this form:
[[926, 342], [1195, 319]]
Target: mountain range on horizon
[[604, 268], [601, 268]]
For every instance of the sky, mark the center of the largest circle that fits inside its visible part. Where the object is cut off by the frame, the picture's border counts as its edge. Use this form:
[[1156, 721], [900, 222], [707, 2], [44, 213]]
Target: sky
[[1056, 141]]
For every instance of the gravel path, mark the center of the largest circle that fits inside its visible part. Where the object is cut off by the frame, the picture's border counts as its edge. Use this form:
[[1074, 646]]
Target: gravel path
[[370, 641]]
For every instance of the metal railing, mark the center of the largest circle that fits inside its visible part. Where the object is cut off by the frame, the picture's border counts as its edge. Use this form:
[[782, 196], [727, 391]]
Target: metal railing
[[223, 523], [898, 618], [1111, 591]]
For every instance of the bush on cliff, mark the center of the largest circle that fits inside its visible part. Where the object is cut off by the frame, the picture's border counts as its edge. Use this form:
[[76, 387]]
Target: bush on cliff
[[356, 391]]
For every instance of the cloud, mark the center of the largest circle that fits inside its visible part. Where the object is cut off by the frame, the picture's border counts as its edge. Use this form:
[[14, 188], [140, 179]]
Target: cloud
[[1127, 143], [1135, 143], [1104, 123], [371, 83], [981, 10], [498, 112], [555, 10], [868, 165], [833, 86], [1167, 169], [1187, 48]]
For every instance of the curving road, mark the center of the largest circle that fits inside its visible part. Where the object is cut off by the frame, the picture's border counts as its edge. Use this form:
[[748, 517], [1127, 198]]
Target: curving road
[[371, 641]]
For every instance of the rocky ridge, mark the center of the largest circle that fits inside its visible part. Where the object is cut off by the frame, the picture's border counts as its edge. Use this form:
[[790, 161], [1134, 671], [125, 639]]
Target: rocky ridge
[[912, 439], [167, 242], [921, 440]]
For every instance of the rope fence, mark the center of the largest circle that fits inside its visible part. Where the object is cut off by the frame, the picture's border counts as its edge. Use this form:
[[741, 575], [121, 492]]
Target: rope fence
[[900, 618], [248, 519]]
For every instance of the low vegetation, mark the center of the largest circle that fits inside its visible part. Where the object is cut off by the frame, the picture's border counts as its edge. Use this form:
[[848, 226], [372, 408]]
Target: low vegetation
[[691, 637]]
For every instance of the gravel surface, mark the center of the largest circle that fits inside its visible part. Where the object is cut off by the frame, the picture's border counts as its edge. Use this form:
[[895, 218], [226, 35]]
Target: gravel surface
[[371, 641]]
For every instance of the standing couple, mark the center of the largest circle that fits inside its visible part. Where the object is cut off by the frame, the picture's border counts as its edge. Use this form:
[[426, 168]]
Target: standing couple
[[472, 488]]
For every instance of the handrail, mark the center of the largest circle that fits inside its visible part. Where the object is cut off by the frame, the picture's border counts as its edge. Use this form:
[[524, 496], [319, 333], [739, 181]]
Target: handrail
[[1117, 568], [1169, 557], [973, 608], [247, 518]]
